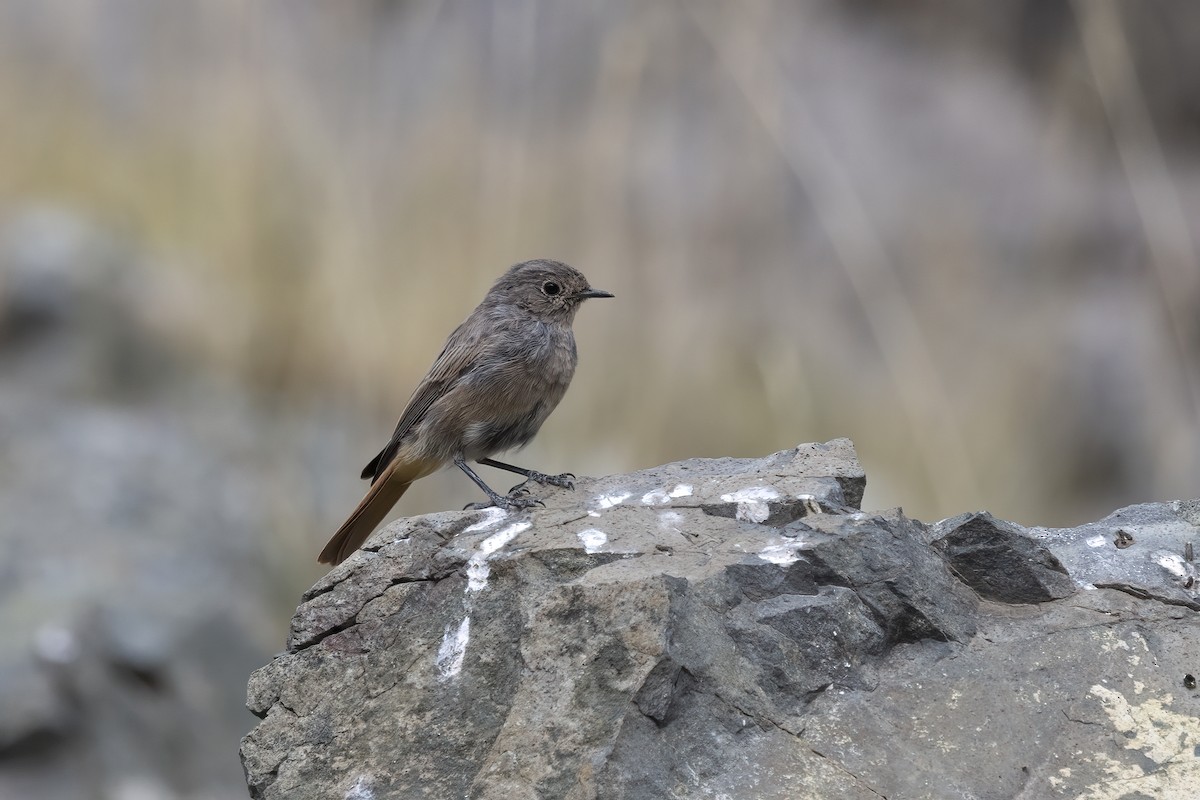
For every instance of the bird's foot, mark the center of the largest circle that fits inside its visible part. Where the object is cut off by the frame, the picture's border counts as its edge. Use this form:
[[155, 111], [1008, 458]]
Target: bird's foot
[[518, 497], [565, 480], [516, 500], [522, 501]]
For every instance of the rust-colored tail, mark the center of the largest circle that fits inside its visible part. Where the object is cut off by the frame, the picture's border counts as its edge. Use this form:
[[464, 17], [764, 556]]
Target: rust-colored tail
[[380, 498]]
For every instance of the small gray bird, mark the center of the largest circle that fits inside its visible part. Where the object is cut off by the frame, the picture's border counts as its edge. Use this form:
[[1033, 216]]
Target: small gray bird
[[499, 376]]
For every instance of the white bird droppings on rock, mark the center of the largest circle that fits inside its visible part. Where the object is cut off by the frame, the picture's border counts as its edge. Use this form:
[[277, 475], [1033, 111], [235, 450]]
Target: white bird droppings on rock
[[752, 502], [1172, 563], [660, 497], [453, 650], [491, 516], [477, 567], [592, 540], [610, 500], [782, 554], [361, 790], [1097, 541], [670, 520]]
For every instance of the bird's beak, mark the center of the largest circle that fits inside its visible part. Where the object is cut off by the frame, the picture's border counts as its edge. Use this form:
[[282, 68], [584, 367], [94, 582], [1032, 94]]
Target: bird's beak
[[593, 293]]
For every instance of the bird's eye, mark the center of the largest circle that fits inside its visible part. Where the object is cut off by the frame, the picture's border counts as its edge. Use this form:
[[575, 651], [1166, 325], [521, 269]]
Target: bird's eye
[[550, 288]]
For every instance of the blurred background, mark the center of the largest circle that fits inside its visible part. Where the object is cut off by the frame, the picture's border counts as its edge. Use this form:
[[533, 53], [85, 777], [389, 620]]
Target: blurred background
[[234, 235]]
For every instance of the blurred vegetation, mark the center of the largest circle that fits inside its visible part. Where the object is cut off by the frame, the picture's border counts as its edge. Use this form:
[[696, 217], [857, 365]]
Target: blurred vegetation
[[962, 234]]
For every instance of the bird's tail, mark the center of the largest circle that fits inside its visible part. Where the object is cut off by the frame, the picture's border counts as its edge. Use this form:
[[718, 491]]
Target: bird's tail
[[383, 494]]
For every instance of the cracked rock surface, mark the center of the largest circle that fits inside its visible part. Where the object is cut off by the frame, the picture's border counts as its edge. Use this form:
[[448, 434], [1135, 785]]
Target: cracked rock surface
[[736, 628]]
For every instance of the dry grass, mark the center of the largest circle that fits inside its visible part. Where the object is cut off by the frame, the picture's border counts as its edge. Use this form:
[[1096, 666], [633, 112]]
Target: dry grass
[[814, 227]]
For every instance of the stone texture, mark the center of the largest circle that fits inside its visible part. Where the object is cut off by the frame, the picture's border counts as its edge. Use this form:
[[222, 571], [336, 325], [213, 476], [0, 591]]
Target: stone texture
[[1000, 562], [737, 628]]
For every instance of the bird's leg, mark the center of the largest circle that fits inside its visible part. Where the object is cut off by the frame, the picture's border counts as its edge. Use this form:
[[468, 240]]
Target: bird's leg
[[566, 480], [510, 502]]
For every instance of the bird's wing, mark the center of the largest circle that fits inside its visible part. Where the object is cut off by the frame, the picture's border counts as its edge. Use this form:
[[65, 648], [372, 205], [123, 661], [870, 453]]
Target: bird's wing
[[456, 359]]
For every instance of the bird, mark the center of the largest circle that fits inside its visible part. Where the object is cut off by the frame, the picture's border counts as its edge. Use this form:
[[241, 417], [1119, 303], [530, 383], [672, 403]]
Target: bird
[[499, 376]]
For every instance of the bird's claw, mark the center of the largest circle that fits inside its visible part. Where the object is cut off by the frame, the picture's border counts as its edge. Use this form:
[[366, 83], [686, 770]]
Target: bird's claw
[[519, 502], [565, 480], [513, 501]]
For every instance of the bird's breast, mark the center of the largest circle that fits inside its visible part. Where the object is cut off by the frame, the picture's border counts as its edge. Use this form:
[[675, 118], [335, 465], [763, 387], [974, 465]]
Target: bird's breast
[[504, 400]]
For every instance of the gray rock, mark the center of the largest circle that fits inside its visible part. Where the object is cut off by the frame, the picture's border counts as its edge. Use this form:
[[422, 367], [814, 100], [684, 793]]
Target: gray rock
[[1142, 550], [733, 629], [622, 595], [1000, 562], [709, 629]]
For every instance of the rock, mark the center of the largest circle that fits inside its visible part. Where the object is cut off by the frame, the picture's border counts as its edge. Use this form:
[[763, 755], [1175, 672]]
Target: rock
[[734, 628], [1000, 562], [1142, 550]]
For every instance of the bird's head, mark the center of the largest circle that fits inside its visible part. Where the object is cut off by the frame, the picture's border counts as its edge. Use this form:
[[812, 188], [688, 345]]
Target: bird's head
[[548, 289]]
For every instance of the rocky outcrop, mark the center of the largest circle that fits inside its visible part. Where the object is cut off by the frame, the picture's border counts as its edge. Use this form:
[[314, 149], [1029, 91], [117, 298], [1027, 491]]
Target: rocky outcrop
[[738, 628]]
